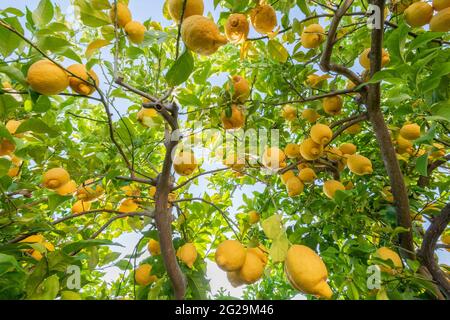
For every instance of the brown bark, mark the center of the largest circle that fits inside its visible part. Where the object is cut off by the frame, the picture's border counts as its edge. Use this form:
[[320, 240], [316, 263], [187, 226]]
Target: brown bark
[[163, 217], [426, 251], [373, 103]]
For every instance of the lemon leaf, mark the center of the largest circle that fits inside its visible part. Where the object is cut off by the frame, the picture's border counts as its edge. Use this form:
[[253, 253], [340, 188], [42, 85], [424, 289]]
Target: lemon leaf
[[279, 248], [94, 46], [277, 51], [180, 71], [272, 226]]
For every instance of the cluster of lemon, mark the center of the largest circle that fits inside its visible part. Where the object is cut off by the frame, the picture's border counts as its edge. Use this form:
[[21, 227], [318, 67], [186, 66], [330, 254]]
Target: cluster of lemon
[[134, 198], [134, 29], [263, 18], [420, 13], [58, 180], [243, 265], [187, 253], [8, 147], [303, 267], [37, 254], [405, 138], [311, 149], [47, 78], [240, 89], [332, 105], [202, 36]]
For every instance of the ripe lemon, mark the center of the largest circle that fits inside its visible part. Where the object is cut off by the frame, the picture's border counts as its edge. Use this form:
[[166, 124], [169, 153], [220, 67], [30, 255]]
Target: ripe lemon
[[188, 254], [80, 86], [230, 255], [237, 28], [47, 78], [185, 163], [306, 271], [201, 35]]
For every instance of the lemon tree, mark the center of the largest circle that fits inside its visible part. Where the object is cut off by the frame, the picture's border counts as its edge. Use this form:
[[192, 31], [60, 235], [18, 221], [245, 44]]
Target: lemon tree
[[300, 146]]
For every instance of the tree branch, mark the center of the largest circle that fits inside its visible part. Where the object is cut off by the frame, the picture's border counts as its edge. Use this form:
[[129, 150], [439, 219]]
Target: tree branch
[[316, 97], [119, 216], [64, 94], [373, 103], [143, 94], [338, 132], [426, 251], [80, 214], [163, 217], [197, 176], [139, 180], [230, 222], [325, 62], [415, 35]]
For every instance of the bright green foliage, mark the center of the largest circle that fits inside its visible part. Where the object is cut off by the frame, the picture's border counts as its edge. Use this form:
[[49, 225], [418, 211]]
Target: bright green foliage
[[73, 132]]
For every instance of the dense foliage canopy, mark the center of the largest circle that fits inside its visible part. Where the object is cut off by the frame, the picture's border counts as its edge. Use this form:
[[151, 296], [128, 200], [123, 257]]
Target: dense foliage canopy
[[349, 169]]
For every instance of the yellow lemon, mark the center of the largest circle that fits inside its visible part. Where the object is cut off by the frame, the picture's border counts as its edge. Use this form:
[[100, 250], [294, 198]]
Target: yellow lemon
[[47, 78]]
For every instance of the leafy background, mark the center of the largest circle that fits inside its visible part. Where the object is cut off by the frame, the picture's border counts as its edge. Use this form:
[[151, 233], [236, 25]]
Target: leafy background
[[345, 239]]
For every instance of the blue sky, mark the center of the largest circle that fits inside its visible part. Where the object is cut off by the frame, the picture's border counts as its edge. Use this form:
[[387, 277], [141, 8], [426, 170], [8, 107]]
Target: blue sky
[[143, 10]]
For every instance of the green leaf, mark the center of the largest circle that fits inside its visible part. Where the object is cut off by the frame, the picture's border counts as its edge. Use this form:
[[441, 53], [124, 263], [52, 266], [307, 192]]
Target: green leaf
[[279, 248], [277, 51], [198, 284], [8, 263], [43, 104], [38, 126], [272, 226], [5, 164], [47, 290], [413, 264], [54, 200], [442, 110], [423, 39], [7, 103], [70, 295], [110, 257], [101, 4], [304, 7], [387, 75], [54, 44], [422, 165], [90, 16], [8, 40], [75, 246], [396, 42], [428, 136], [14, 74], [340, 196], [43, 13], [13, 11], [180, 71], [93, 258], [382, 294], [397, 231], [426, 284], [153, 293]]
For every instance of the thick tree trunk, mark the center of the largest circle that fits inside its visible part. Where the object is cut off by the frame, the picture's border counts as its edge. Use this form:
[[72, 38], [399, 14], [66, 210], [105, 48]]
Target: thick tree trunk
[[163, 216], [373, 103]]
